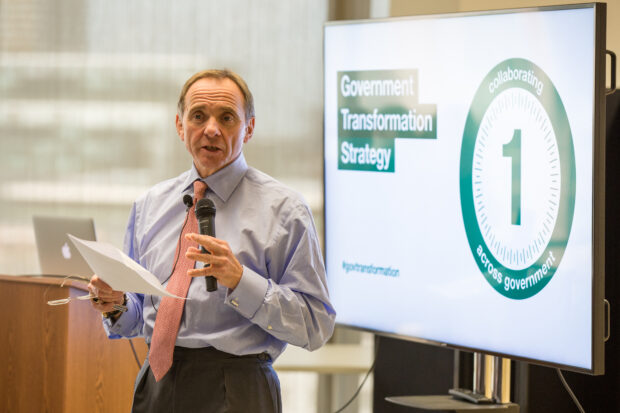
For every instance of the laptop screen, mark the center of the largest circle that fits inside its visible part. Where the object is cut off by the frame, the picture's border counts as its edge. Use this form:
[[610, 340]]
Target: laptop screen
[[57, 254]]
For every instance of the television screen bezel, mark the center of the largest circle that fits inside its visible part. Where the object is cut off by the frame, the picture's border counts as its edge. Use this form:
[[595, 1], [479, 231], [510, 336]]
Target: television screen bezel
[[598, 186]]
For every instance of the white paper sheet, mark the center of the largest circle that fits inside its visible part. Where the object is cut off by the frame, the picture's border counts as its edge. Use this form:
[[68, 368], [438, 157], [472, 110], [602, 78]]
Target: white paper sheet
[[118, 270]]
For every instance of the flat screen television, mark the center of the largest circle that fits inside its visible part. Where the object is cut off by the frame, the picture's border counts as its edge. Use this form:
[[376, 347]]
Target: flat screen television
[[464, 180]]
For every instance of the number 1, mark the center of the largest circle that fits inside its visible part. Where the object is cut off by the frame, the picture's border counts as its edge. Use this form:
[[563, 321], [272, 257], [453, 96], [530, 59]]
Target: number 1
[[513, 150]]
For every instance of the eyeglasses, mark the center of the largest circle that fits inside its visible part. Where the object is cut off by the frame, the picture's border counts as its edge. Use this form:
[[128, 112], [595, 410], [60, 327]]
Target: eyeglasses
[[62, 301], [89, 296]]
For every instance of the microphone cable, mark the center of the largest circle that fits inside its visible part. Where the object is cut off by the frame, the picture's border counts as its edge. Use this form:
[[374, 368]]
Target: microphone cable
[[176, 259], [188, 202], [135, 354]]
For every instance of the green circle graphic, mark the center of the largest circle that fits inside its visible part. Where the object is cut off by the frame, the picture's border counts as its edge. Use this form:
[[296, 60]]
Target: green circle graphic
[[522, 282]]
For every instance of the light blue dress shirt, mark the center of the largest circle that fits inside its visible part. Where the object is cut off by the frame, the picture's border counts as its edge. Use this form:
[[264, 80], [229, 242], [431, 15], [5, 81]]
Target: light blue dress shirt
[[282, 296]]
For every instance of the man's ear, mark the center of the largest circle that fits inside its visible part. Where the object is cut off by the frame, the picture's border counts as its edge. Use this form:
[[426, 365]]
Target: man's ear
[[249, 130], [179, 125]]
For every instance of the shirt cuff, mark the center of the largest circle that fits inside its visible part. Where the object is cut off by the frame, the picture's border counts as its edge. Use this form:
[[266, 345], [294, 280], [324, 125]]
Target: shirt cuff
[[115, 329], [249, 294]]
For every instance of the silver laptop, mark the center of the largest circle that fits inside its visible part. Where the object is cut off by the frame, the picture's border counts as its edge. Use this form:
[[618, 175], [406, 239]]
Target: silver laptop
[[57, 254]]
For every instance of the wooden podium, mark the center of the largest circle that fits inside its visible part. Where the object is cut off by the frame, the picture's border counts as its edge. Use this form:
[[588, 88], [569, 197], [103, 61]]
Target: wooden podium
[[58, 358]]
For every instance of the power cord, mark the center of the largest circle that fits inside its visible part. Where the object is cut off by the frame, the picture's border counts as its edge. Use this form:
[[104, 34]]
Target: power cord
[[370, 370], [570, 392]]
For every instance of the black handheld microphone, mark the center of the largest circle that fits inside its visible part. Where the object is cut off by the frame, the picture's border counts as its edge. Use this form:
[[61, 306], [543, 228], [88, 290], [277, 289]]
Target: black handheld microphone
[[205, 215]]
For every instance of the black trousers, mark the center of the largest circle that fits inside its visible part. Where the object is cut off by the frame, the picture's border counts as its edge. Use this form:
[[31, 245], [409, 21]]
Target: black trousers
[[207, 380]]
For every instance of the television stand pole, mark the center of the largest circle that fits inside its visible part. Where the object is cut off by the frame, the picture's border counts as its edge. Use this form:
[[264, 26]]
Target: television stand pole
[[490, 393]]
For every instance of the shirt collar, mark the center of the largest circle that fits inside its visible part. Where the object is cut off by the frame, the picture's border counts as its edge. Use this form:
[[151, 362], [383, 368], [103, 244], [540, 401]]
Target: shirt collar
[[222, 182]]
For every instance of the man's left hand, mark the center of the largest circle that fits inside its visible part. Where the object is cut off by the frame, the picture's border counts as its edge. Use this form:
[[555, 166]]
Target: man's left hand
[[221, 263]]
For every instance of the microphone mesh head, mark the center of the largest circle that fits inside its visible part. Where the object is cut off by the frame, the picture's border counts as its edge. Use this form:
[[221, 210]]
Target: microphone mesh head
[[204, 208], [188, 201]]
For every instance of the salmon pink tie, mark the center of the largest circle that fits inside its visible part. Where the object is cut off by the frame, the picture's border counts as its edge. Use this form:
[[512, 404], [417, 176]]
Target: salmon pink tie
[[170, 310]]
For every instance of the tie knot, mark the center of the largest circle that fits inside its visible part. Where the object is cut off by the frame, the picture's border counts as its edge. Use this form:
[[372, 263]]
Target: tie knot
[[199, 189]]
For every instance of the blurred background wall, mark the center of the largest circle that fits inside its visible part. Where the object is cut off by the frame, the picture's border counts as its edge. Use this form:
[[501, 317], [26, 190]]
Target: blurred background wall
[[88, 92]]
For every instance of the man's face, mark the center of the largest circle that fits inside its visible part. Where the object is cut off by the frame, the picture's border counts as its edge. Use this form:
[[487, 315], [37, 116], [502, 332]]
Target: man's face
[[213, 126]]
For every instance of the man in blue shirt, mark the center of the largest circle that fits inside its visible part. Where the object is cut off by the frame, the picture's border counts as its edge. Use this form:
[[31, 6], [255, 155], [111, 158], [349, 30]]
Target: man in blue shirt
[[266, 259]]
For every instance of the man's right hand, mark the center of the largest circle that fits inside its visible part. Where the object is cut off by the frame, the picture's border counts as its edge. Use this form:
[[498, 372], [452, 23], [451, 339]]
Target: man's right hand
[[104, 297]]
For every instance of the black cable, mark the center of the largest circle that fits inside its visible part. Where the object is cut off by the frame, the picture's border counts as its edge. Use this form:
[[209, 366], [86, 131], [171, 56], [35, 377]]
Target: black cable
[[370, 370], [135, 355], [176, 259], [570, 392]]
